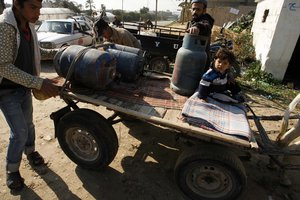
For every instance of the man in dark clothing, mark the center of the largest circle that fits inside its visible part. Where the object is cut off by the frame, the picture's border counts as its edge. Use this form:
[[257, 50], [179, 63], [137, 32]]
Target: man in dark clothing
[[201, 24], [115, 35]]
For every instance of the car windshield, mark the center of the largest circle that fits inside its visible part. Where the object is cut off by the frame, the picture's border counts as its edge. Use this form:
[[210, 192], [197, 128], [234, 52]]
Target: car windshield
[[56, 26]]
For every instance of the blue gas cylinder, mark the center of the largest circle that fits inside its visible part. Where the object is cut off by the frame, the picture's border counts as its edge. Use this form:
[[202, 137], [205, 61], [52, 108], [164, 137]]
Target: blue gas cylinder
[[189, 65], [130, 61], [93, 68]]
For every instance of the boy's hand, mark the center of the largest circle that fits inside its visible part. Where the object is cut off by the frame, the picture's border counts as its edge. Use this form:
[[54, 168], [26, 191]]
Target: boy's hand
[[240, 97]]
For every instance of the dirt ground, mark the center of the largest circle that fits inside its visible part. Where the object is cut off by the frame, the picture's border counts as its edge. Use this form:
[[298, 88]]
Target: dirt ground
[[142, 169]]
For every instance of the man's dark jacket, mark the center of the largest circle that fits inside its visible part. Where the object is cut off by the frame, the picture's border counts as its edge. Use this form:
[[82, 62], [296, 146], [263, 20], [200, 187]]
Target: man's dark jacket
[[204, 23]]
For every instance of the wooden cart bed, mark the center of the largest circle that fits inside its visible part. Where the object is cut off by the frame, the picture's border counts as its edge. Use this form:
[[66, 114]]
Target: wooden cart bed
[[140, 100]]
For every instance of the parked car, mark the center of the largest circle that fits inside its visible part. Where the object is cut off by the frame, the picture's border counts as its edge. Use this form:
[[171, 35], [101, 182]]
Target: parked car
[[60, 32], [84, 18]]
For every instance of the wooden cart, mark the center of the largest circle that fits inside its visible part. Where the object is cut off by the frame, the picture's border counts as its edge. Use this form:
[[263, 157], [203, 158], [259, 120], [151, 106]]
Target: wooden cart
[[207, 168]]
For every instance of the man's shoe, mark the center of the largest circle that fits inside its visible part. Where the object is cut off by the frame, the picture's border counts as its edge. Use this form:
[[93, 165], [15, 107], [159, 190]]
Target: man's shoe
[[14, 181], [35, 159]]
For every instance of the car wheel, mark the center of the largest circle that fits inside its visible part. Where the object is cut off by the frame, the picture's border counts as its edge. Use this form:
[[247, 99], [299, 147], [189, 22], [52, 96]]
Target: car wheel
[[159, 64]]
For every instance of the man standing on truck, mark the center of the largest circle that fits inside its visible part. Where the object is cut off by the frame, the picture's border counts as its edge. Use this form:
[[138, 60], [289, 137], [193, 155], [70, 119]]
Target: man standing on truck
[[115, 35], [201, 24]]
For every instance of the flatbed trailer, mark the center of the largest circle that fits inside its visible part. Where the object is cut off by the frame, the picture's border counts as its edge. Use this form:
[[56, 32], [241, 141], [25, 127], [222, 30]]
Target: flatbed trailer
[[207, 168], [161, 44]]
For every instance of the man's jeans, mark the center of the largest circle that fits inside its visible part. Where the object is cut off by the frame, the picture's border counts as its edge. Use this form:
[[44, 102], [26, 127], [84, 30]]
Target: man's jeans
[[17, 109]]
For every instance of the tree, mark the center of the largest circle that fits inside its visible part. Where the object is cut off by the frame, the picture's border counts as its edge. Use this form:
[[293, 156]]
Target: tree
[[67, 4], [144, 10], [2, 6], [90, 5], [185, 14], [145, 15]]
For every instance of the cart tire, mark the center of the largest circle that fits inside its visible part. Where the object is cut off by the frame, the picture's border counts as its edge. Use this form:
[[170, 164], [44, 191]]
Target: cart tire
[[210, 172], [159, 64], [87, 138]]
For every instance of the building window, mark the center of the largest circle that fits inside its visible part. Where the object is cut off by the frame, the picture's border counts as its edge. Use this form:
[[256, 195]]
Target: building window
[[266, 13]]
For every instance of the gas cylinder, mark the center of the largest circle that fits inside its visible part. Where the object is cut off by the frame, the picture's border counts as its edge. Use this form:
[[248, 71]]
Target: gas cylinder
[[91, 68], [130, 61], [189, 65]]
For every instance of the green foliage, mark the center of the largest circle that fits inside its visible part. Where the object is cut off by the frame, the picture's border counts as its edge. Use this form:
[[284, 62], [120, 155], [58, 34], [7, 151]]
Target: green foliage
[[254, 80], [255, 74], [243, 23], [144, 10], [243, 48], [67, 4]]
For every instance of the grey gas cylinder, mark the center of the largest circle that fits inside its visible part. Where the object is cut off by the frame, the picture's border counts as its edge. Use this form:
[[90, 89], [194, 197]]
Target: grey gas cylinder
[[91, 68], [189, 64]]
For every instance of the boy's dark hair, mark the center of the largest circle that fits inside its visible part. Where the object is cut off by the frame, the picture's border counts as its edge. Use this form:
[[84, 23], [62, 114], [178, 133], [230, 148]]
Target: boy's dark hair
[[99, 26], [225, 54], [21, 2]]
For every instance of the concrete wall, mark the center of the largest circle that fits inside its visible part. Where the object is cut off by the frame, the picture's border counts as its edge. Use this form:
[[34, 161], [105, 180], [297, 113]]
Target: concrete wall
[[276, 38]]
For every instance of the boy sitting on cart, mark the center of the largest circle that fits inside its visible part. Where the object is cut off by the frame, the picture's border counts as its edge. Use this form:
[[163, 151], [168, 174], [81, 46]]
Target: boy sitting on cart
[[218, 82]]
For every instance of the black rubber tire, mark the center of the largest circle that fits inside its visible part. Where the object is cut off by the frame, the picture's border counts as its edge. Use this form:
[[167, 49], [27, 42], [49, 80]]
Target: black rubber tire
[[87, 138], [159, 64], [210, 173]]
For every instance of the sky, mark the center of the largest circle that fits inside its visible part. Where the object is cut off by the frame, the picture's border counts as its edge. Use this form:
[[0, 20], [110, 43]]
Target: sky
[[132, 5], [135, 5]]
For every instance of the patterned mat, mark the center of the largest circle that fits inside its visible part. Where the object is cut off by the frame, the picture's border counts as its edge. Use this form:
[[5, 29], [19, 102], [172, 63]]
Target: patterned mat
[[147, 91], [222, 117]]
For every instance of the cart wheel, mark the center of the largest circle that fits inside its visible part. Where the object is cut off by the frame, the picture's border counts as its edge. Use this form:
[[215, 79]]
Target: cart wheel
[[159, 64], [87, 138], [210, 172]]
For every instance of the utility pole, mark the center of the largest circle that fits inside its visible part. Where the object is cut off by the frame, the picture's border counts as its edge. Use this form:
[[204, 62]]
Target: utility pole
[[122, 13], [156, 14], [2, 6]]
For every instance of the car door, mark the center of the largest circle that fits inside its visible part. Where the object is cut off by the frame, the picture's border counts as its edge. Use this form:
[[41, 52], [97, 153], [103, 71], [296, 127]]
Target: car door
[[88, 35], [78, 36]]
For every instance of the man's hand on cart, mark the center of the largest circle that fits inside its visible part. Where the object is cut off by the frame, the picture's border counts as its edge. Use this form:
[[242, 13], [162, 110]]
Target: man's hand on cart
[[50, 88]]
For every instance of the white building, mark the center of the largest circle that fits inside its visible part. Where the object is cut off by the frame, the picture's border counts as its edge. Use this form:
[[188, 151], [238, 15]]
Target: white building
[[276, 29], [55, 13]]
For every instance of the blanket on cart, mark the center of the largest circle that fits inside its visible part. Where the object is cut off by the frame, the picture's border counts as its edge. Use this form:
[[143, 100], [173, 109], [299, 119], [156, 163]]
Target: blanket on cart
[[147, 91], [215, 115]]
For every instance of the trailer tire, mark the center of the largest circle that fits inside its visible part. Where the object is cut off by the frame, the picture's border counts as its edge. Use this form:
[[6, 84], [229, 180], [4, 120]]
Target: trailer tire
[[210, 173], [87, 138], [159, 64]]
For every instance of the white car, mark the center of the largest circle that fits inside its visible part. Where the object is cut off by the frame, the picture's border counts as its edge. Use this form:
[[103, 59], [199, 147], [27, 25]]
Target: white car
[[57, 33], [84, 18]]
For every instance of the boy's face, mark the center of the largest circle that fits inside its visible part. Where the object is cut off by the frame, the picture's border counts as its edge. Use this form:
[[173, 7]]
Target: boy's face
[[31, 10], [221, 65]]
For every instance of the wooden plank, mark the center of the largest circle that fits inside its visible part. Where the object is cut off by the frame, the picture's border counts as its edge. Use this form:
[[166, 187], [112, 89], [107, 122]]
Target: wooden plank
[[158, 112], [173, 115]]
